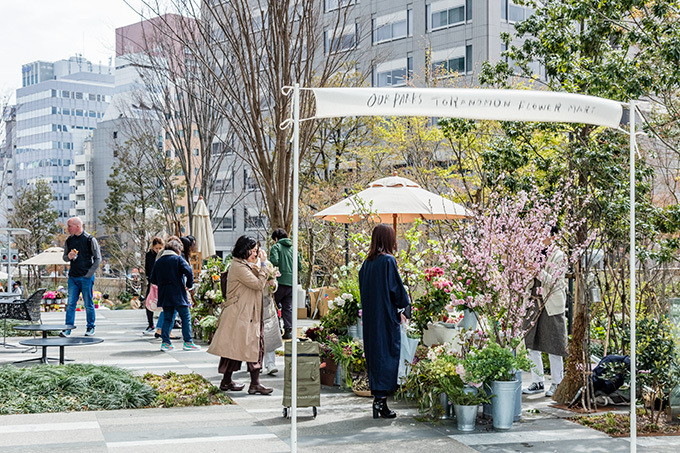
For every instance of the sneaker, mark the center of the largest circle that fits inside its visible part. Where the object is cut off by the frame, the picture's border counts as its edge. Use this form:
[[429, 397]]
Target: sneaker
[[551, 390], [191, 347], [65, 333], [167, 347], [272, 371], [149, 330], [535, 387], [89, 332]]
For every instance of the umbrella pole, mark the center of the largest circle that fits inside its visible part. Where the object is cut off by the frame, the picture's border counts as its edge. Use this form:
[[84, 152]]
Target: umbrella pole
[[394, 223]]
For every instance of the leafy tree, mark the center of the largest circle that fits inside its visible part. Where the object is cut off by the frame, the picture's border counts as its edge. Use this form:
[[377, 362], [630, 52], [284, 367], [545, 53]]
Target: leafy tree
[[587, 47]]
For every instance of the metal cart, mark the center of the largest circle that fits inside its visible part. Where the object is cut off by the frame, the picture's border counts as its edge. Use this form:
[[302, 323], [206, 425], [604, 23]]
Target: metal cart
[[308, 378]]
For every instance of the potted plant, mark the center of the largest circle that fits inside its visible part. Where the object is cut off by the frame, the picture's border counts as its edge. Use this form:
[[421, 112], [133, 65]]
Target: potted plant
[[466, 401], [497, 365]]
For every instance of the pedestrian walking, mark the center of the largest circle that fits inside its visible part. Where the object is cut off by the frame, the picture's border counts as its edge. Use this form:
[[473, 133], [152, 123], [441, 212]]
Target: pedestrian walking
[[82, 252], [157, 244], [173, 276], [281, 255], [383, 300]]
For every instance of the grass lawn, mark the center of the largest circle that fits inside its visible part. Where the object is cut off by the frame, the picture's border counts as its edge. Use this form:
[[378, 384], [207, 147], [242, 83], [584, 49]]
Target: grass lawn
[[80, 387]]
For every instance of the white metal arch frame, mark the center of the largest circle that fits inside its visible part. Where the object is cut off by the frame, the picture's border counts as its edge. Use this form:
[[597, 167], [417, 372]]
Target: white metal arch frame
[[477, 104]]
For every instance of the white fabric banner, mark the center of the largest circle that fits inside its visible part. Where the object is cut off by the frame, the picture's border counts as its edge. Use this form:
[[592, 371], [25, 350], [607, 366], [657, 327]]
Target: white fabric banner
[[479, 104]]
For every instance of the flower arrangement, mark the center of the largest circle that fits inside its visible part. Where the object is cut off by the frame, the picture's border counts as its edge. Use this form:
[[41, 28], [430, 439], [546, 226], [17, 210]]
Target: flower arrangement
[[208, 296], [349, 354], [343, 311], [431, 306], [58, 294]]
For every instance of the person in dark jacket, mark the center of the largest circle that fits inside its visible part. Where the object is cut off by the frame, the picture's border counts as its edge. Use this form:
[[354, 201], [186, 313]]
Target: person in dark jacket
[[174, 277], [281, 255], [82, 252], [149, 261], [383, 298]]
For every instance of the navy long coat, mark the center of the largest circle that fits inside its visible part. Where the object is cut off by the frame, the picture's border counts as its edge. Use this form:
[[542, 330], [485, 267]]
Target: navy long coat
[[382, 293], [173, 275]]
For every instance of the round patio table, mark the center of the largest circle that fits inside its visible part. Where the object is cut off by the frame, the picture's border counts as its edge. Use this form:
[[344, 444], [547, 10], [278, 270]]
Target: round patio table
[[61, 343]]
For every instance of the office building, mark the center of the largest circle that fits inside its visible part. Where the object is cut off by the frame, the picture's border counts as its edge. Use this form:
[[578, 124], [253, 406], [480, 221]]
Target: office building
[[58, 106]]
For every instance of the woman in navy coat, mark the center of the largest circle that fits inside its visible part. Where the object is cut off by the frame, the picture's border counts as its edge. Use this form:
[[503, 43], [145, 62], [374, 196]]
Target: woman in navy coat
[[383, 297], [174, 276]]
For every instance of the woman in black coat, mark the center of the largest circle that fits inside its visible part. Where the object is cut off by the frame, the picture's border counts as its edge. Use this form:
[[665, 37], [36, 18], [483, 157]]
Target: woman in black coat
[[383, 297], [149, 260]]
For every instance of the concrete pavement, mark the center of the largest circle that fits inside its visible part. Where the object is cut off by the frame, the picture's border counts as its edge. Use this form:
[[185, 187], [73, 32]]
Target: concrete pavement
[[344, 423]]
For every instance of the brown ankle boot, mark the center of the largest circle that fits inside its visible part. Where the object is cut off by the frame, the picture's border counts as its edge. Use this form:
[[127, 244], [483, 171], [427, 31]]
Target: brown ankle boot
[[259, 388]]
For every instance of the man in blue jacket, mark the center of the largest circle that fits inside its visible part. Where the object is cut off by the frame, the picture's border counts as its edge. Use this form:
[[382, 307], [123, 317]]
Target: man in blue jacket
[[83, 254], [281, 255]]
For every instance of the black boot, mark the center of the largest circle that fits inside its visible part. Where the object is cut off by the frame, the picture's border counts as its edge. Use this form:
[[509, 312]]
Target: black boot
[[380, 409], [287, 334]]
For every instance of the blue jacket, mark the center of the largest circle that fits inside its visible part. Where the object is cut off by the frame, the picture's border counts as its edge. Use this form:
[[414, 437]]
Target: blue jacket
[[173, 276]]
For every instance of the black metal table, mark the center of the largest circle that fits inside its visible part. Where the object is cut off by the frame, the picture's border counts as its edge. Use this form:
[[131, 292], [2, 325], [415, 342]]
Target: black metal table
[[44, 328], [44, 343]]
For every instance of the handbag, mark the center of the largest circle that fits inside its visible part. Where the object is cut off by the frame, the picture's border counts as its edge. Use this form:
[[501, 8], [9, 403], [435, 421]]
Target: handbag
[[152, 299]]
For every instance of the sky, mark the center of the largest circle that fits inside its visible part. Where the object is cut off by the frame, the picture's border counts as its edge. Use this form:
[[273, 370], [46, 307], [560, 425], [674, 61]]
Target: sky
[[51, 30]]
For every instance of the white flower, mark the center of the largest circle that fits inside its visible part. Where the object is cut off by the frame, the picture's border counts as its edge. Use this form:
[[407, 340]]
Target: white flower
[[347, 296]]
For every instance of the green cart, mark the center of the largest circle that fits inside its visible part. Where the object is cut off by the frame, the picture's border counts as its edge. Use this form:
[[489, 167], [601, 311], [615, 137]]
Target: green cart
[[308, 376]]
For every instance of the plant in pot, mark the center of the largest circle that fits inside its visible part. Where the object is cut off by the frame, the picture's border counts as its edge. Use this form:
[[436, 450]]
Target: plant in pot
[[466, 401], [497, 365], [420, 384]]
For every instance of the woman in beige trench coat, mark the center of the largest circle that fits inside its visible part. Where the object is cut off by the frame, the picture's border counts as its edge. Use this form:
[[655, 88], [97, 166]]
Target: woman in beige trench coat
[[239, 335]]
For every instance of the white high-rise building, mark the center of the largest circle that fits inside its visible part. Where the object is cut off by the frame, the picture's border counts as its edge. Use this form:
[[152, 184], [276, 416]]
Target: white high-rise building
[[58, 106]]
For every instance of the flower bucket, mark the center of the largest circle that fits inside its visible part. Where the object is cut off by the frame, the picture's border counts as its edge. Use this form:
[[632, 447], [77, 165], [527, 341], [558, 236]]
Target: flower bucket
[[469, 320], [466, 416], [446, 406], [503, 404], [353, 331]]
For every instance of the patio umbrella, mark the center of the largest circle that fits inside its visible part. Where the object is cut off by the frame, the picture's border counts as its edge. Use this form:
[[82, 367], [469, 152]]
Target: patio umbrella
[[393, 198], [202, 229], [50, 257]]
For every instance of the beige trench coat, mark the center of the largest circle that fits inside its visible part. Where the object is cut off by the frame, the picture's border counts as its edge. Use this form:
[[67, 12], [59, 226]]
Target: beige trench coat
[[238, 333]]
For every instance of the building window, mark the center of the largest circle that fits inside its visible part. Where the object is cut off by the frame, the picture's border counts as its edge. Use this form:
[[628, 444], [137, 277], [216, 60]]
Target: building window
[[196, 152], [254, 220], [392, 73], [468, 58], [392, 26], [250, 181], [348, 39], [447, 62], [229, 221], [331, 5], [196, 133], [180, 209], [445, 14], [514, 13]]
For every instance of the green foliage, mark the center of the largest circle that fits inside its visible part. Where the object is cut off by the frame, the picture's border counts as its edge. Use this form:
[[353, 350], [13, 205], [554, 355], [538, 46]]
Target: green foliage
[[495, 363], [421, 386], [125, 297], [467, 397], [657, 360], [177, 390], [73, 387]]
